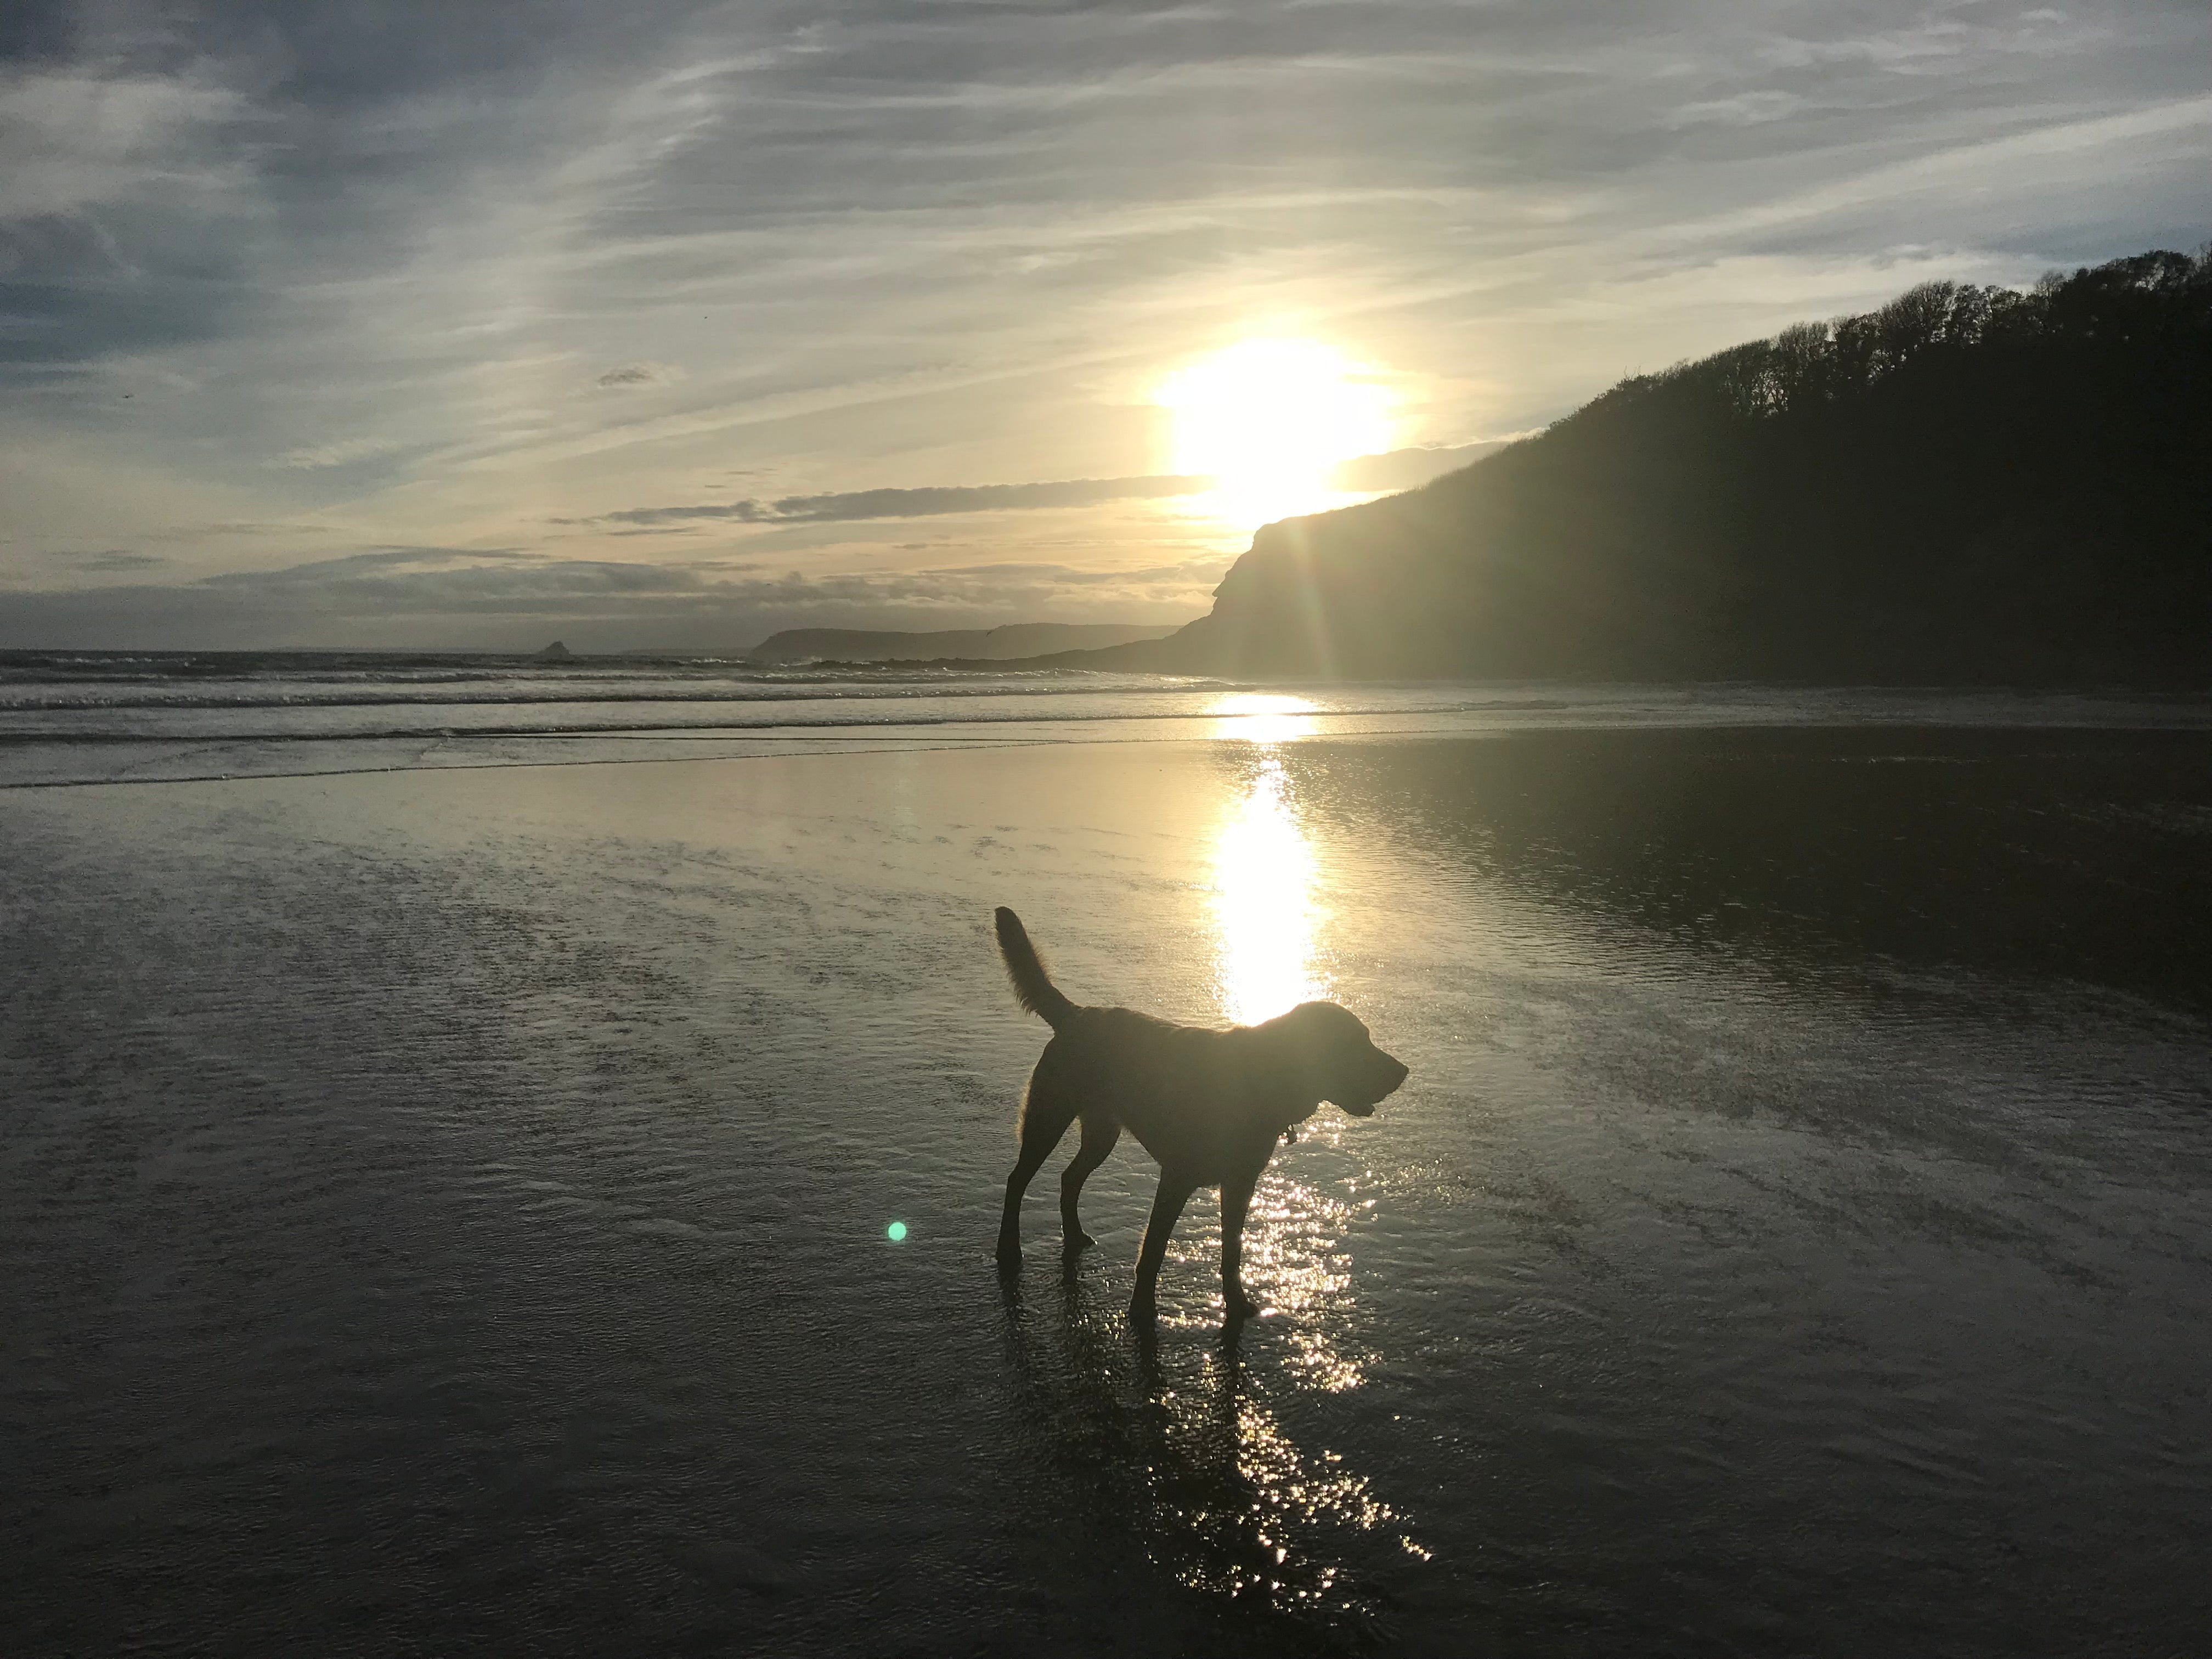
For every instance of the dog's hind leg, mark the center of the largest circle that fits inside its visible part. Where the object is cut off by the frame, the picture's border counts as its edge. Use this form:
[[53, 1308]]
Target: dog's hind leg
[[1167, 1206], [1099, 1134], [1046, 1115]]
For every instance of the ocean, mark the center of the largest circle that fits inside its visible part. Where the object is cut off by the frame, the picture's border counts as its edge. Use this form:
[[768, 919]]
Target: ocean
[[453, 1112]]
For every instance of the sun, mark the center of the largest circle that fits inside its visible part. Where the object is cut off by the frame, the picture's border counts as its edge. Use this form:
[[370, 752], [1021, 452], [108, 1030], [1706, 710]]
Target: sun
[[1268, 420]]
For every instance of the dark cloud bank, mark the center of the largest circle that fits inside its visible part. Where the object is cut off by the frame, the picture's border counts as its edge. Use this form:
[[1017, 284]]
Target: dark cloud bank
[[506, 599], [467, 592], [1400, 469], [857, 505]]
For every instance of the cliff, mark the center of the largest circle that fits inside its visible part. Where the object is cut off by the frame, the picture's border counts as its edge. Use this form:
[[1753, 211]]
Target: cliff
[[1969, 485]]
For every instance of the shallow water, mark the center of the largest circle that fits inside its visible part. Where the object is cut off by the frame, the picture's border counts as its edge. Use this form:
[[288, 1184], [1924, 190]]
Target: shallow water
[[446, 1210], [108, 718]]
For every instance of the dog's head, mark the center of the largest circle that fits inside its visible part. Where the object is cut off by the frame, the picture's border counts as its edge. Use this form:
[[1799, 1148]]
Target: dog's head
[[1328, 1052]]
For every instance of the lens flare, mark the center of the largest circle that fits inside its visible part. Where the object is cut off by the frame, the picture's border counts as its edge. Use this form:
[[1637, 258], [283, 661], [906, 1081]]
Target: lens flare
[[896, 1232]]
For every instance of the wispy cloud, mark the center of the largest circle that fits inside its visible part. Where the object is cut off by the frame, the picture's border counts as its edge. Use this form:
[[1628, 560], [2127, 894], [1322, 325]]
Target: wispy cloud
[[371, 562], [860, 505], [1742, 109], [637, 374], [1398, 469], [345, 452], [108, 560], [402, 271], [79, 139]]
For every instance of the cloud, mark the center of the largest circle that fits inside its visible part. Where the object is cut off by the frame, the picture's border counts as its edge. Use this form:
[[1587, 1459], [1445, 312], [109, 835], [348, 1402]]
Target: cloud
[[630, 375], [929, 502], [1742, 109], [112, 558], [229, 528], [404, 579], [368, 562], [406, 271], [345, 452], [1400, 469], [81, 139], [1889, 49], [452, 596]]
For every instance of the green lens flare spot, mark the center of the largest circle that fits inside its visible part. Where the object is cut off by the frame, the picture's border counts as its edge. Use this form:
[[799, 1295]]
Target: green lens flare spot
[[897, 1231]]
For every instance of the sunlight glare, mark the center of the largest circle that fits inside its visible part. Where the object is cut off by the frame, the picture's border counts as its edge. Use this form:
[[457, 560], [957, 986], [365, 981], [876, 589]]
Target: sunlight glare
[[1269, 420], [1263, 904], [1263, 717]]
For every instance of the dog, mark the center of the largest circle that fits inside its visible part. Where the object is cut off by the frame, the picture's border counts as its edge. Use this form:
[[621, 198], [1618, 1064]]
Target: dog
[[1210, 1105]]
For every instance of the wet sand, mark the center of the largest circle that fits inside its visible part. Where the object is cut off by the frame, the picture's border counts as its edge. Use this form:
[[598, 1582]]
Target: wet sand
[[446, 1211]]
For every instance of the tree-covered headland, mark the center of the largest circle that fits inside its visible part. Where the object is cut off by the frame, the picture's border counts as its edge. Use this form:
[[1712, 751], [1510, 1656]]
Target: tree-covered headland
[[1971, 485]]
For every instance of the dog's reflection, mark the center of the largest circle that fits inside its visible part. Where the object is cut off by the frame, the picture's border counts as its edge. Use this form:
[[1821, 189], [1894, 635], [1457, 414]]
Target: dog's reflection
[[1172, 1438]]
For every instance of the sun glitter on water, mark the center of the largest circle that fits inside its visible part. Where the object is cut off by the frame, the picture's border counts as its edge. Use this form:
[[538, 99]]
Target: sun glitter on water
[[1262, 717], [1264, 905], [1268, 420]]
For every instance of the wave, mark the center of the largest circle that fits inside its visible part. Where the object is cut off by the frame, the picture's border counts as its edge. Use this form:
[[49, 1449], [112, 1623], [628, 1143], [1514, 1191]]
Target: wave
[[242, 664], [45, 696], [799, 723]]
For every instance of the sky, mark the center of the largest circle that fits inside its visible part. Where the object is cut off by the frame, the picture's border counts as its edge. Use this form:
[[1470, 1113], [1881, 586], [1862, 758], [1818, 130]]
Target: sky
[[665, 326]]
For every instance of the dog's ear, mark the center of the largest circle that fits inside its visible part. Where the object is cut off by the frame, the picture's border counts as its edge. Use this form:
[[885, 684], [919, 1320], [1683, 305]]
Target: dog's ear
[[1287, 1059], [1290, 1077], [1319, 1051]]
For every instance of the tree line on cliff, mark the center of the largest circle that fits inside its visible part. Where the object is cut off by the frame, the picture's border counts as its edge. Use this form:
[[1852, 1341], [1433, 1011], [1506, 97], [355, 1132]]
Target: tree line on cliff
[[1971, 485]]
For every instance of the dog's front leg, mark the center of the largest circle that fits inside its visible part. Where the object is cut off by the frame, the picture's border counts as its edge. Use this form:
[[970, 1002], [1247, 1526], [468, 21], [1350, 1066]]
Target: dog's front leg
[[1167, 1205], [1235, 1199]]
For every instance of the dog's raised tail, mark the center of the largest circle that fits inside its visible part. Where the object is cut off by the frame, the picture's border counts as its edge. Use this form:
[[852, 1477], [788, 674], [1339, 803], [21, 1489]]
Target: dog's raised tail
[[1033, 987]]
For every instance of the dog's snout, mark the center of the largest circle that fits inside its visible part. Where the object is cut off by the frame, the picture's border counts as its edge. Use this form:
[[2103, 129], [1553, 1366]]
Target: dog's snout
[[1391, 1069], [1379, 1077]]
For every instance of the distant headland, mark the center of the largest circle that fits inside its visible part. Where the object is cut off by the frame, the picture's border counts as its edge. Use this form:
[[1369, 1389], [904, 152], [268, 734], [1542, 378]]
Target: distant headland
[[1969, 485], [1010, 641]]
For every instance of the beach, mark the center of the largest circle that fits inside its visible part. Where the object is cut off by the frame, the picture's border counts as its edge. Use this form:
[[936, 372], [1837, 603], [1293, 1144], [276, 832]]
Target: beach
[[450, 1162]]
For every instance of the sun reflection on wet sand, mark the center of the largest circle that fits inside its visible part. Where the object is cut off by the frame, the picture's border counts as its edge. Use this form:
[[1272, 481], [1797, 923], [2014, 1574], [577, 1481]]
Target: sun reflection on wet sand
[[1192, 1447], [1185, 1449], [1296, 1265], [1270, 916], [1263, 903], [1269, 1545], [1264, 717]]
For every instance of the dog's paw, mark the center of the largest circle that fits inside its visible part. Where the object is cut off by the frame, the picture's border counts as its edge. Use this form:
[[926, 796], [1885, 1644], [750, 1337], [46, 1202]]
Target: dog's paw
[[1243, 1307], [1079, 1240]]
